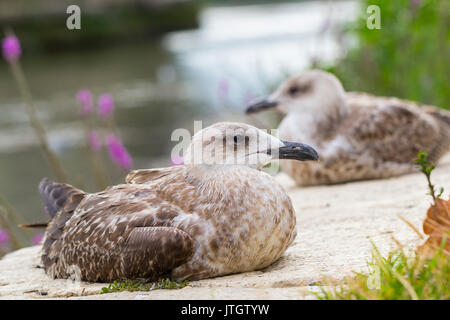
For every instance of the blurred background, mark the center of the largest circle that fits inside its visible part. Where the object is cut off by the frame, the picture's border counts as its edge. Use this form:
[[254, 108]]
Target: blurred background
[[166, 63]]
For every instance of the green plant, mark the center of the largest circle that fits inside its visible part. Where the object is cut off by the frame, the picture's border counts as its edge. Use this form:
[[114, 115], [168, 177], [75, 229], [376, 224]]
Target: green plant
[[407, 57], [134, 285], [399, 276], [423, 274], [436, 224], [426, 168]]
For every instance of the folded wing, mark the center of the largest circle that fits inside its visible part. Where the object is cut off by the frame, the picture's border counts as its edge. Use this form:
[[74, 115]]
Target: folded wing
[[150, 175], [124, 232], [397, 133]]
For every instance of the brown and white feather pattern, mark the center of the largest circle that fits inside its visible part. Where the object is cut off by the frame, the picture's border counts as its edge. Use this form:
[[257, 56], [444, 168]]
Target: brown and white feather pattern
[[368, 137], [172, 221]]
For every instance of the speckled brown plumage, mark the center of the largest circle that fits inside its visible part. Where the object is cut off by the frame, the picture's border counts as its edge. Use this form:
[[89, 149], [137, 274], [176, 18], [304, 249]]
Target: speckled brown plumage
[[190, 222], [358, 136]]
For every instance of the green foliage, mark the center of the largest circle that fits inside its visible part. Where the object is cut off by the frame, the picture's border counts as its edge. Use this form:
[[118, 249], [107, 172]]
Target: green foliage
[[426, 168], [134, 285], [400, 276], [408, 57], [423, 164]]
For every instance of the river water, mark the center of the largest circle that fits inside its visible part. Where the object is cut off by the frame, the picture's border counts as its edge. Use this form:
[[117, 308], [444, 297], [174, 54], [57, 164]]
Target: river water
[[208, 74]]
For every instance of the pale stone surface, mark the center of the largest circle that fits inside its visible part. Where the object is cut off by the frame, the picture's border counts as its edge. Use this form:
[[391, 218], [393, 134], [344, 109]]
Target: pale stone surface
[[335, 226]]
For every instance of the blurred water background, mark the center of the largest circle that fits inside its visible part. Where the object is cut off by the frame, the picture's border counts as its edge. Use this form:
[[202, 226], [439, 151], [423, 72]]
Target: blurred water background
[[203, 61]]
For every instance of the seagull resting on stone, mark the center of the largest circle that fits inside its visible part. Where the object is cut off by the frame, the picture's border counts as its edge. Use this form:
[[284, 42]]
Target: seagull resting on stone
[[215, 215], [358, 136]]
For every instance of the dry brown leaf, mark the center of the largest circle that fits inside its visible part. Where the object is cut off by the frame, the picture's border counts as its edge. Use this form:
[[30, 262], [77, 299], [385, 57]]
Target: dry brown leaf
[[437, 225]]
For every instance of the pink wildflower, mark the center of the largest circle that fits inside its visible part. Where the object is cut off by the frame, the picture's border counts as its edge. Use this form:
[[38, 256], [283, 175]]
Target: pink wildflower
[[95, 141], [105, 105], [11, 48], [176, 160], [37, 238], [4, 236], [118, 152], [416, 3], [223, 89], [85, 98]]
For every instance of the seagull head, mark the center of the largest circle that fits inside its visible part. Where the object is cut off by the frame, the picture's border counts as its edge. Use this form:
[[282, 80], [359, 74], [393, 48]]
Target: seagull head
[[231, 143], [312, 90]]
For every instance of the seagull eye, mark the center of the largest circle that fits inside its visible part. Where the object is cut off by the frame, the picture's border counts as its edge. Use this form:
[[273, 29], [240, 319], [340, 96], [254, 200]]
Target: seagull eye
[[293, 90], [299, 88]]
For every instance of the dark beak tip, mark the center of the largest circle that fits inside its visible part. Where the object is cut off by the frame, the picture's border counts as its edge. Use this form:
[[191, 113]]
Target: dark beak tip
[[260, 105], [249, 110], [311, 156], [298, 151], [316, 156]]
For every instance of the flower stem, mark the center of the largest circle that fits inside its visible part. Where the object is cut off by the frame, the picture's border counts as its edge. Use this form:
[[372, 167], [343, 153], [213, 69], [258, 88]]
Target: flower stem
[[97, 166], [18, 239], [36, 124]]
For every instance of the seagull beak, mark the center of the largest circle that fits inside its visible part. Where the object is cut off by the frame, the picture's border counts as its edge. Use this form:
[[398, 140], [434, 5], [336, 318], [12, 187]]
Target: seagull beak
[[260, 105], [297, 151]]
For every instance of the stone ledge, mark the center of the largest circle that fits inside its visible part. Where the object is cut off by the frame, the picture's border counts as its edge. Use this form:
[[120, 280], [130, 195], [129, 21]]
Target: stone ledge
[[336, 225]]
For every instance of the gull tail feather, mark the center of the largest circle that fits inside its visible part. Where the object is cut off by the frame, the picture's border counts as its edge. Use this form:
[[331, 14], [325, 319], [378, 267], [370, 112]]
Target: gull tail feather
[[59, 195], [37, 225]]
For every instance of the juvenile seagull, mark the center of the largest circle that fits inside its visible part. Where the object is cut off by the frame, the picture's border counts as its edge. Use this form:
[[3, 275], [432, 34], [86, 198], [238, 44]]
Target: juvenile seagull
[[358, 136], [217, 214]]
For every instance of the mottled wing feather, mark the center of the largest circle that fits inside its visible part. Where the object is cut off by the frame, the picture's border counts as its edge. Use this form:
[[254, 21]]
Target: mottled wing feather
[[394, 133], [433, 122], [147, 175], [114, 235], [152, 251], [58, 195], [363, 99], [60, 201], [53, 233]]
